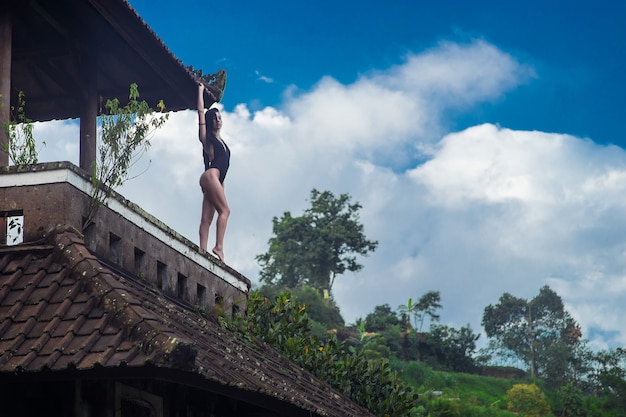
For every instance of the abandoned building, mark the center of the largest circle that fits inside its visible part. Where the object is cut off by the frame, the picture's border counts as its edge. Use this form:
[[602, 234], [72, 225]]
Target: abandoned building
[[116, 319]]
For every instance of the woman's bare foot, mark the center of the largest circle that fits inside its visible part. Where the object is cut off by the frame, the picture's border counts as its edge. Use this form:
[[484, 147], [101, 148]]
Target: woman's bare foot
[[219, 253]]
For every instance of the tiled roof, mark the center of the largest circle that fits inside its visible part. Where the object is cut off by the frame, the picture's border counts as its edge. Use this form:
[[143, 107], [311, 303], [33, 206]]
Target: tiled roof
[[61, 308]]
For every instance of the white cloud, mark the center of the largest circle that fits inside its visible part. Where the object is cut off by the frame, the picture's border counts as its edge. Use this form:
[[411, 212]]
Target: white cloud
[[453, 75], [264, 78], [480, 212], [57, 140]]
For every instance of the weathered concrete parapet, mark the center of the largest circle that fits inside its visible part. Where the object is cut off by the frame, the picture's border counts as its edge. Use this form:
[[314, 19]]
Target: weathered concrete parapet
[[122, 234]]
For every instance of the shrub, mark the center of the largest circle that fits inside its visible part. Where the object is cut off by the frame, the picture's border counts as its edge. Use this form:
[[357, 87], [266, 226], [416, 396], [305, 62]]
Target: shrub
[[527, 400]]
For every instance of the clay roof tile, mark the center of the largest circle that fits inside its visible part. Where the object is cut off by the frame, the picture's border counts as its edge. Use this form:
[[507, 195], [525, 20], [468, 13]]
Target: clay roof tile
[[72, 312]]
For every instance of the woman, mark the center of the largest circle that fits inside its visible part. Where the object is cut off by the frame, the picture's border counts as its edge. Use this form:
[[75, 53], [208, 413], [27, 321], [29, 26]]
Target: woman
[[216, 162]]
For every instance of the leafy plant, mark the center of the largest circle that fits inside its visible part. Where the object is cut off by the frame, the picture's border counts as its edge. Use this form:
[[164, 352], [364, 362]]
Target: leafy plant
[[125, 137], [21, 145], [15, 229], [320, 310], [284, 324], [527, 400], [573, 401]]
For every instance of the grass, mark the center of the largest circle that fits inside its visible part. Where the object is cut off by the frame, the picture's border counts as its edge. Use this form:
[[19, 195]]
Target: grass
[[450, 393], [445, 394]]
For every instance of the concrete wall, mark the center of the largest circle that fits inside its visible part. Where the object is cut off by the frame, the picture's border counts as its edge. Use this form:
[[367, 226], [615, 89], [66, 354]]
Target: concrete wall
[[122, 235]]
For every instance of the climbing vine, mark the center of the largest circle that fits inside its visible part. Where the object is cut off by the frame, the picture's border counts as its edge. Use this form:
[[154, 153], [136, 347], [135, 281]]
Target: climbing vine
[[21, 145], [125, 133]]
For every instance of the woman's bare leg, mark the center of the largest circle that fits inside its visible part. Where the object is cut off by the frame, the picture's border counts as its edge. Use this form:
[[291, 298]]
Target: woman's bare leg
[[208, 211], [214, 190]]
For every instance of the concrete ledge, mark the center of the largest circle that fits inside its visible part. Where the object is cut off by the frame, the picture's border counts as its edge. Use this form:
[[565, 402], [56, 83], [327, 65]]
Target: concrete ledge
[[59, 193]]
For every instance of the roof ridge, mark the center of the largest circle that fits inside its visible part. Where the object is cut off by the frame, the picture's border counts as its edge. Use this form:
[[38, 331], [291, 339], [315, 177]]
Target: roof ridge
[[97, 279]]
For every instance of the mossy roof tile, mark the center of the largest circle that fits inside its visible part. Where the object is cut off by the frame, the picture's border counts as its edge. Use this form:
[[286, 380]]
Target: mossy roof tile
[[82, 315]]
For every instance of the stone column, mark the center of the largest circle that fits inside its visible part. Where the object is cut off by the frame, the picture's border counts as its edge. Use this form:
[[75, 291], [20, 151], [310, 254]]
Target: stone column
[[5, 81]]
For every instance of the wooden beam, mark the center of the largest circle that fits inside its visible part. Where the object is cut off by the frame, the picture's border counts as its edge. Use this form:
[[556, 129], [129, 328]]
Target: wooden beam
[[51, 21], [6, 31], [147, 45], [89, 111]]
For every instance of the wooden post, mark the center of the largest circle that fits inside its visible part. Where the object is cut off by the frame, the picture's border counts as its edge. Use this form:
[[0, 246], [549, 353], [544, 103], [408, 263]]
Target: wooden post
[[5, 81], [89, 111]]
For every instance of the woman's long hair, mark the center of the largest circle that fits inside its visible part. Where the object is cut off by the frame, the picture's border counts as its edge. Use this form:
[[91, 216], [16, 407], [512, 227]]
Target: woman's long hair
[[209, 119]]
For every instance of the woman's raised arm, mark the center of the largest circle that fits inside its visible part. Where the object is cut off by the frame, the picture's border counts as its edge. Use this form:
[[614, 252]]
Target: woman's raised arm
[[201, 119]]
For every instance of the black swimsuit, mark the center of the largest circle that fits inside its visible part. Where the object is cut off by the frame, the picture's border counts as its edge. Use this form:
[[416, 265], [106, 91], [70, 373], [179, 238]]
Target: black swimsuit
[[221, 157]]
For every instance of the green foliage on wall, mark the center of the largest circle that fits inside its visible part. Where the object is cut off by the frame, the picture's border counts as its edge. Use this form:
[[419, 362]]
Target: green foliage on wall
[[125, 136], [21, 145]]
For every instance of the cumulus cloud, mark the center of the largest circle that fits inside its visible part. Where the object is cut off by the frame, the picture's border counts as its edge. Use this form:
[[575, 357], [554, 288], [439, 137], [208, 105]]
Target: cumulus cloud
[[477, 213], [452, 75], [536, 208]]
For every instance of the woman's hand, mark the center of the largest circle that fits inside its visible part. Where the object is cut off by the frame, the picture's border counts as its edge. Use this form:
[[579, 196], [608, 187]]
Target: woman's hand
[[201, 99]]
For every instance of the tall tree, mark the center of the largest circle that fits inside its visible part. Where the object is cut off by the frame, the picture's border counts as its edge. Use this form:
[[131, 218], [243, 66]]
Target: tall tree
[[381, 318], [447, 348], [318, 246], [426, 306], [539, 332], [608, 376]]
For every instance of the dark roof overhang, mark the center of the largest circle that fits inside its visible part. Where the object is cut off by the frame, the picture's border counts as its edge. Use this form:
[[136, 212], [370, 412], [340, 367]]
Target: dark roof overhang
[[61, 48]]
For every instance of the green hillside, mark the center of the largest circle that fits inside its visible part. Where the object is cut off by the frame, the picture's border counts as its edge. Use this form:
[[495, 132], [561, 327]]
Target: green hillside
[[456, 394], [375, 363]]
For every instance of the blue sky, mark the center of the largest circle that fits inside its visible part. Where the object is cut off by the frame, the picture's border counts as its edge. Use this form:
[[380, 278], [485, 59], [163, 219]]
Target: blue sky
[[484, 141], [576, 47]]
